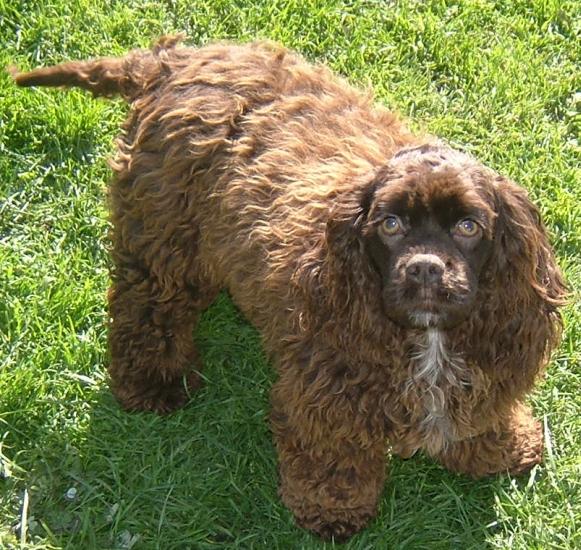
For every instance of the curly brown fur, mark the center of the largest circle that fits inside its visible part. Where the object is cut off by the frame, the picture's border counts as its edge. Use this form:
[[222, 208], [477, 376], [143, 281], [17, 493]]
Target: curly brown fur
[[348, 242]]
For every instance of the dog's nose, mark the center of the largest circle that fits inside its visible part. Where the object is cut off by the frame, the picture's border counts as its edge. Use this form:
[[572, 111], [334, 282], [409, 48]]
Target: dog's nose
[[425, 269]]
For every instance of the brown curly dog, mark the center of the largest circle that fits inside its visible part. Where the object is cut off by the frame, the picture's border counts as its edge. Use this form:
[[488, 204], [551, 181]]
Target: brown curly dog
[[406, 293]]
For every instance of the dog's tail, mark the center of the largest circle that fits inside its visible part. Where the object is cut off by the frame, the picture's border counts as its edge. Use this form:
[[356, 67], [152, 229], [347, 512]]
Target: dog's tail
[[127, 76]]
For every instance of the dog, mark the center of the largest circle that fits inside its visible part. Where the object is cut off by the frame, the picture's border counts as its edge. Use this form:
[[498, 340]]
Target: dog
[[407, 294]]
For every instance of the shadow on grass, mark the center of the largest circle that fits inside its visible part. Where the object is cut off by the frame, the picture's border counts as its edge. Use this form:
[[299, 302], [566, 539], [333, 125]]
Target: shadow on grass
[[205, 477]]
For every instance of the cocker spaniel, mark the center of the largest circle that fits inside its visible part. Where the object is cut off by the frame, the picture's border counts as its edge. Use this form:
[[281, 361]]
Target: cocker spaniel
[[407, 294]]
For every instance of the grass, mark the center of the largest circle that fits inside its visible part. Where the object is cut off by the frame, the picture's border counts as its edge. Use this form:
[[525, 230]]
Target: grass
[[500, 79]]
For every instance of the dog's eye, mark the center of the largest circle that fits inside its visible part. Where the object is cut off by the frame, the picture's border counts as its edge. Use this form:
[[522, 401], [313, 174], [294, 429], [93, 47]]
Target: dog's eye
[[391, 226], [467, 228]]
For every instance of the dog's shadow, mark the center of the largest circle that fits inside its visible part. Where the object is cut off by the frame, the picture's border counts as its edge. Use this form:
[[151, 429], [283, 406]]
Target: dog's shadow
[[205, 477]]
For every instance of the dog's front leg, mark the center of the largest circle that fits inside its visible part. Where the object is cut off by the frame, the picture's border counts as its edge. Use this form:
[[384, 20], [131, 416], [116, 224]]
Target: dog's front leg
[[332, 454]]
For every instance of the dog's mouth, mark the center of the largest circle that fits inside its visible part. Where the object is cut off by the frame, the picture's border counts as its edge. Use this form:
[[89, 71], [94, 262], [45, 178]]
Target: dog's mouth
[[428, 309], [424, 319]]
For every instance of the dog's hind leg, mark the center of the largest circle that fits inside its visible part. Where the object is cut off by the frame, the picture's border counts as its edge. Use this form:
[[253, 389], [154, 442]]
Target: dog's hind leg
[[158, 291], [154, 361]]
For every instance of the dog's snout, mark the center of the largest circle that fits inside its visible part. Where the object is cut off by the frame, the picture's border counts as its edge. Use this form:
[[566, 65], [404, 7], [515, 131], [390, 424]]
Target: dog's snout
[[425, 269]]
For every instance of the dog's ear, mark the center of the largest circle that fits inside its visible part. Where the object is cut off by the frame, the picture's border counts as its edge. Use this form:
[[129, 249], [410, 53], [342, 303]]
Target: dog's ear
[[345, 227], [351, 281], [522, 252], [518, 324]]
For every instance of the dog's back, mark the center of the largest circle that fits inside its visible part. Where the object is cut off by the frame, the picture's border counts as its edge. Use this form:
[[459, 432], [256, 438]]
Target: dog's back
[[229, 165], [241, 142]]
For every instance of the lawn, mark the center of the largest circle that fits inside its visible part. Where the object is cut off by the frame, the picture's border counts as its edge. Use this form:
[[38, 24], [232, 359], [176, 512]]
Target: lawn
[[498, 79]]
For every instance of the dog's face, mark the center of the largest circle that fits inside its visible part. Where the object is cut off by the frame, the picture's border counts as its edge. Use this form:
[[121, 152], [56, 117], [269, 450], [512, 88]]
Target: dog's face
[[429, 234]]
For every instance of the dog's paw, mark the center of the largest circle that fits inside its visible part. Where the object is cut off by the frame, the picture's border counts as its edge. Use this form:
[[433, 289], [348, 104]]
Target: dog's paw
[[339, 531], [337, 525], [158, 398], [528, 451]]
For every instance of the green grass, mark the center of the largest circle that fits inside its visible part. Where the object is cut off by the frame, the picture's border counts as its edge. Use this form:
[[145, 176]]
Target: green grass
[[500, 79]]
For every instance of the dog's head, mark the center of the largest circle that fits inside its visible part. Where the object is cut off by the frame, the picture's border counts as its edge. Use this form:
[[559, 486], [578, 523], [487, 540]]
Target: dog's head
[[429, 234], [442, 234]]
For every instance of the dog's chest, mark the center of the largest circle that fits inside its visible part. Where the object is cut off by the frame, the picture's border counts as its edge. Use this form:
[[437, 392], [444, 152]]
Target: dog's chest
[[436, 374]]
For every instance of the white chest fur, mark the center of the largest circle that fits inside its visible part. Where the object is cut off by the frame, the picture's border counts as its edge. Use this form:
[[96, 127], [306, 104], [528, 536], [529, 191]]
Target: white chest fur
[[435, 372]]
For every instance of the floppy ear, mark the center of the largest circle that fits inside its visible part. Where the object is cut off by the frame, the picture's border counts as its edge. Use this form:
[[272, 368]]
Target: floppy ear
[[524, 259], [344, 233], [519, 322], [345, 226], [336, 279], [350, 276]]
